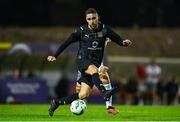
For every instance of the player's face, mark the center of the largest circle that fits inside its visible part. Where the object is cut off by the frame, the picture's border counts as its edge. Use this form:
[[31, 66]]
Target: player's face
[[92, 20]]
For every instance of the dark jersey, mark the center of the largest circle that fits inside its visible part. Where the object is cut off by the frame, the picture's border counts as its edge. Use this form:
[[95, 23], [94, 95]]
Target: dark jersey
[[91, 42]]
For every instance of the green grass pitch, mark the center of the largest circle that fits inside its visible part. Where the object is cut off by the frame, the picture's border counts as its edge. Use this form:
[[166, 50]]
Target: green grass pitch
[[92, 113]]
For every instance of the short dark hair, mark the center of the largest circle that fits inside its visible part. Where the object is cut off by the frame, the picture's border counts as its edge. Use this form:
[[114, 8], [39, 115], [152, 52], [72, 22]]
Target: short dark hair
[[91, 11]]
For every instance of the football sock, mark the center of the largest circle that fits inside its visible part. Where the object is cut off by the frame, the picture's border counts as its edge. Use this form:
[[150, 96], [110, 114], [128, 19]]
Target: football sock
[[108, 102], [109, 93], [98, 83], [69, 99]]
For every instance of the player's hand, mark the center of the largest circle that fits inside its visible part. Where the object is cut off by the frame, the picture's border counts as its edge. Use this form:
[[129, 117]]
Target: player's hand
[[127, 42], [51, 58]]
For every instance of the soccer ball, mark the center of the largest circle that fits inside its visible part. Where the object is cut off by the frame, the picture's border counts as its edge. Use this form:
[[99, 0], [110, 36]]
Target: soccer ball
[[78, 107]]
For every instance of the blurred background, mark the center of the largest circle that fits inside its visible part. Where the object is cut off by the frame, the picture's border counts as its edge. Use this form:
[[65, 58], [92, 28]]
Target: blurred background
[[148, 72]]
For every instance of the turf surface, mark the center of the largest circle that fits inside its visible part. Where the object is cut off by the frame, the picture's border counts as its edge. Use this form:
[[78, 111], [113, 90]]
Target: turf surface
[[92, 113]]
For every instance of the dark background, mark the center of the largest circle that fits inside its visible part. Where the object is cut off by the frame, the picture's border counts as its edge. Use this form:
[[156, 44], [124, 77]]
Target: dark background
[[125, 13]]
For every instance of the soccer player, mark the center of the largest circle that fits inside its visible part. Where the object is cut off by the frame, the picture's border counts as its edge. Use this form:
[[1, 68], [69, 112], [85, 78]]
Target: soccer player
[[91, 37]]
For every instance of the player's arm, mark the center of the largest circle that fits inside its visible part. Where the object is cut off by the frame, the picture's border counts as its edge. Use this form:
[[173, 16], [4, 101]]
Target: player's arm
[[74, 37], [116, 38]]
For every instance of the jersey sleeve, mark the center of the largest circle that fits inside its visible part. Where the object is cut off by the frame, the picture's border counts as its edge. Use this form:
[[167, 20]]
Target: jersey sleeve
[[74, 37], [114, 36]]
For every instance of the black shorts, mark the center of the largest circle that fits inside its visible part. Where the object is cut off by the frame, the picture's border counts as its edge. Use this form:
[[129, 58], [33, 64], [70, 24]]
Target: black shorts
[[83, 64], [87, 79]]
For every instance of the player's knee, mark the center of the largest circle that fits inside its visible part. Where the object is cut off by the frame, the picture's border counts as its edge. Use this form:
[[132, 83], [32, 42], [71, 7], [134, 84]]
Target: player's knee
[[104, 78], [92, 69], [83, 95]]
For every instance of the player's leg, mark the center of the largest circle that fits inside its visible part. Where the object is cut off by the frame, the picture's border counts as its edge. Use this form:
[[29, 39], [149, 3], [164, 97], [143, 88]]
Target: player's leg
[[105, 80], [84, 92], [66, 100], [93, 71], [104, 77], [86, 67]]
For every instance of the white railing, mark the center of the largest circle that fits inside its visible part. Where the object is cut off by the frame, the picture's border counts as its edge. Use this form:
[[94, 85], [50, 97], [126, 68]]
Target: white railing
[[143, 60]]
